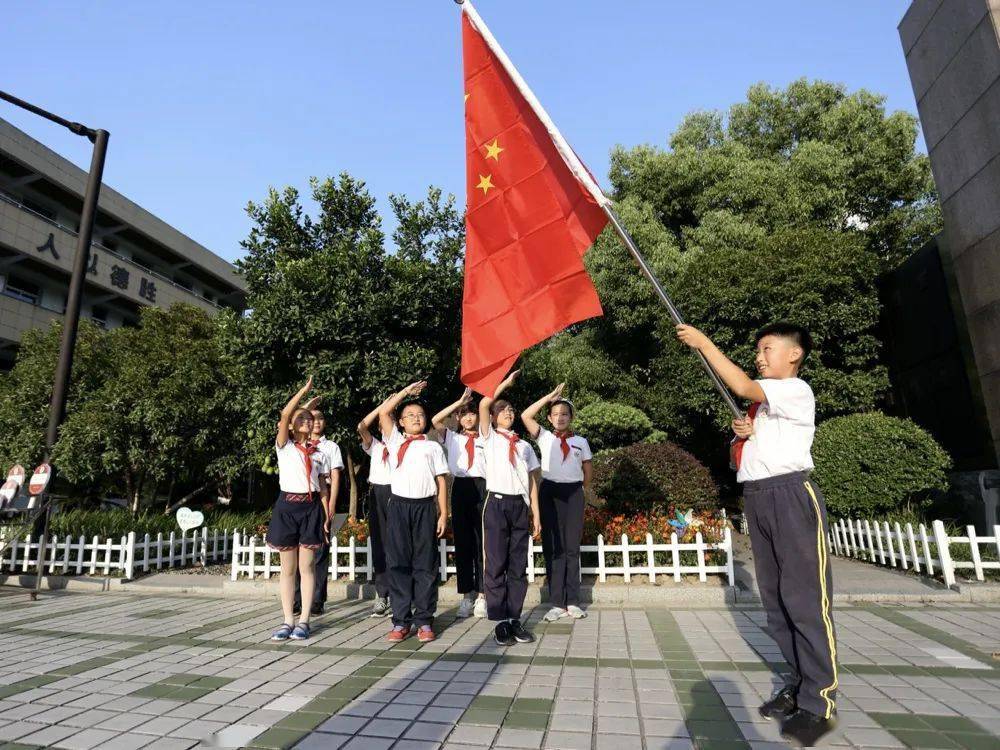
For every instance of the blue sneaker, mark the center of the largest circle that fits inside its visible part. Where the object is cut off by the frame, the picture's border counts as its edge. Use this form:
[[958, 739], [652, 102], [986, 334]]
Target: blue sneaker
[[301, 632], [282, 633]]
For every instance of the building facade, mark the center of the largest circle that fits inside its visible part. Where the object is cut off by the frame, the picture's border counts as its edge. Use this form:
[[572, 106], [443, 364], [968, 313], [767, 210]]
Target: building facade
[[952, 50], [136, 259]]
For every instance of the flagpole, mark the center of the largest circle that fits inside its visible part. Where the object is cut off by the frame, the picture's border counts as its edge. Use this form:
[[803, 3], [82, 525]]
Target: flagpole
[[583, 175], [675, 315]]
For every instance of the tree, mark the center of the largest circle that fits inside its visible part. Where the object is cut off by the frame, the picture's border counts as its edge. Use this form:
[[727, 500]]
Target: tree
[[788, 207], [162, 417], [327, 299]]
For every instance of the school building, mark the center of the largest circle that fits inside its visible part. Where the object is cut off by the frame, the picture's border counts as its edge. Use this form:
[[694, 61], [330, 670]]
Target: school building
[[136, 259]]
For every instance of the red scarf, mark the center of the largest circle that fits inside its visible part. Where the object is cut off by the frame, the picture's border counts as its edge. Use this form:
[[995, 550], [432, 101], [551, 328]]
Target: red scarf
[[736, 447], [385, 454], [307, 451], [470, 446], [564, 437], [512, 439], [405, 446]]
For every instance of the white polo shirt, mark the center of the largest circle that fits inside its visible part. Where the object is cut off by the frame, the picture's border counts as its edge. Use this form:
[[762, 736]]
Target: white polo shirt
[[292, 469], [501, 476], [458, 455], [424, 461], [783, 430], [554, 467], [379, 469]]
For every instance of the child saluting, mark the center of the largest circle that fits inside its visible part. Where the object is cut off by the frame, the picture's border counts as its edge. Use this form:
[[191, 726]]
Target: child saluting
[[417, 513], [787, 518]]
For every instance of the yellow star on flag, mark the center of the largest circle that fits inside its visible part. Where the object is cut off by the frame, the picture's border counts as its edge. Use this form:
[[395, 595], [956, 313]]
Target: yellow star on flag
[[466, 98], [493, 150], [485, 183]]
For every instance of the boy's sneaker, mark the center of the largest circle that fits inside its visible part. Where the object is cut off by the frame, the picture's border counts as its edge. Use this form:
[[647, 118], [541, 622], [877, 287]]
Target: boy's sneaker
[[301, 632], [381, 607], [520, 634], [805, 729], [465, 608], [779, 705], [283, 633], [426, 634], [502, 634], [398, 633], [575, 612], [554, 614], [480, 609]]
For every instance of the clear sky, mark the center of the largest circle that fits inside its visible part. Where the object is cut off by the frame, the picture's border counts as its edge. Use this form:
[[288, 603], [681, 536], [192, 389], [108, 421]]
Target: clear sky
[[210, 102]]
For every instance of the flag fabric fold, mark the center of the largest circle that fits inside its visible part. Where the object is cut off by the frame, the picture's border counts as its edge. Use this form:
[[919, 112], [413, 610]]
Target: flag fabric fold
[[532, 211]]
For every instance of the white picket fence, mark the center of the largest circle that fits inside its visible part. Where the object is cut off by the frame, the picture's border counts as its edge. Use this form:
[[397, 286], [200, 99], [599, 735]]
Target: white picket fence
[[252, 557], [127, 556], [903, 547]]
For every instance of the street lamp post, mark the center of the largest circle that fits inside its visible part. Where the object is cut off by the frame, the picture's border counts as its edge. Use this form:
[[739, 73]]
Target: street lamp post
[[64, 367]]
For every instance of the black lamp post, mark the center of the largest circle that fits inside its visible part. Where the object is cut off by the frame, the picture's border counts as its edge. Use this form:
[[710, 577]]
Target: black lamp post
[[60, 388]]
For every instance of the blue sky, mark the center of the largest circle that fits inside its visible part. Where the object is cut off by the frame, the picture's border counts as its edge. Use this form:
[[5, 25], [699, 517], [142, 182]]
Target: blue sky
[[209, 103]]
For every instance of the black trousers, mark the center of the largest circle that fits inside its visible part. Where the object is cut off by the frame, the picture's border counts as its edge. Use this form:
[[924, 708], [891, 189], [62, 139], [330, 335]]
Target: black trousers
[[412, 556], [322, 568], [467, 497], [506, 530], [787, 520], [561, 507], [377, 520]]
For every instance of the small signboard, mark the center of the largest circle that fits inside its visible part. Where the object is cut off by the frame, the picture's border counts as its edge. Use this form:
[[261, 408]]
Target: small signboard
[[16, 474], [189, 519], [40, 479], [7, 491]]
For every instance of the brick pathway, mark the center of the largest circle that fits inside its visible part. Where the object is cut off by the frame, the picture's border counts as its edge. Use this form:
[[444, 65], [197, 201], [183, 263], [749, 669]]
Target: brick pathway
[[118, 671]]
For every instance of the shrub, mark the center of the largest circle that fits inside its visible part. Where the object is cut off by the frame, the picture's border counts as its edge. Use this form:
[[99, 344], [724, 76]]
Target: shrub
[[656, 437], [609, 425], [648, 476], [872, 464], [116, 523]]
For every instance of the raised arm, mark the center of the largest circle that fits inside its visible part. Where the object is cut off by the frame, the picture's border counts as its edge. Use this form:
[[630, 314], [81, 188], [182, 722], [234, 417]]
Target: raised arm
[[288, 411], [528, 415], [439, 418], [732, 374], [364, 431], [487, 402], [388, 406]]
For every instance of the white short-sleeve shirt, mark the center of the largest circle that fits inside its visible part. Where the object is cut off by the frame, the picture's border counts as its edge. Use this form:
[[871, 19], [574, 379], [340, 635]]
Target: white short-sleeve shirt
[[292, 469], [379, 470], [423, 462], [501, 476], [783, 431], [458, 455], [554, 467], [331, 450]]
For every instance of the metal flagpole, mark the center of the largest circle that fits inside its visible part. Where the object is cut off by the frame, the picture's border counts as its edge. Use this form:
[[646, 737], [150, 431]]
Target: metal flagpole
[[583, 175]]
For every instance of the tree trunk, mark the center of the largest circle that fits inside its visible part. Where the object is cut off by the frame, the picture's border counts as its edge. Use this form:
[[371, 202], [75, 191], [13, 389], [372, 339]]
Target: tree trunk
[[352, 479], [170, 508], [130, 492], [170, 494]]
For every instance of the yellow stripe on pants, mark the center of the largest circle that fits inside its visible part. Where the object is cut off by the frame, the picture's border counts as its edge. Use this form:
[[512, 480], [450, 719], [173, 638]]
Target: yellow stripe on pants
[[824, 602]]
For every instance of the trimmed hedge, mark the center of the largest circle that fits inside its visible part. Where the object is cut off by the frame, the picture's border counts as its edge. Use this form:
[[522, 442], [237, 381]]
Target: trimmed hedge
[[118, 522], [609, 425], [652, 476], [869, 464]]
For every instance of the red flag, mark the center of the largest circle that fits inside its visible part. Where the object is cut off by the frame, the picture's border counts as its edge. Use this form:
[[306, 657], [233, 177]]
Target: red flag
[[532, 212]]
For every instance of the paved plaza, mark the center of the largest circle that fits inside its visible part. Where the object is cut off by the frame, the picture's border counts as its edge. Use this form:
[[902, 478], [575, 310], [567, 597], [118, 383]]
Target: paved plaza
[[121, 671]]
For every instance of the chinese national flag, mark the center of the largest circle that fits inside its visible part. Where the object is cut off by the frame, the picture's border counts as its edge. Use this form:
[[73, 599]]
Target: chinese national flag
[[531, 215]]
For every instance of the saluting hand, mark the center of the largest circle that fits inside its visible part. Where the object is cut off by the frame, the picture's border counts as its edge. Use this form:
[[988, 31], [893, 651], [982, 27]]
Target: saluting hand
[[414, 389], [557, 393], [466, 397]]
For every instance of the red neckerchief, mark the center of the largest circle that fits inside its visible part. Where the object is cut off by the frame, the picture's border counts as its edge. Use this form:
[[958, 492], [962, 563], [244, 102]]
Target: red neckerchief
[[564, 436], [470, 446], [307, 451], [385, 454], [405, 446], [736, 447], [512, 439]]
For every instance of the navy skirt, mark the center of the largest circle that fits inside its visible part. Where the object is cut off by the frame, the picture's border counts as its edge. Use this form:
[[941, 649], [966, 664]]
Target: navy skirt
[[296, 522]]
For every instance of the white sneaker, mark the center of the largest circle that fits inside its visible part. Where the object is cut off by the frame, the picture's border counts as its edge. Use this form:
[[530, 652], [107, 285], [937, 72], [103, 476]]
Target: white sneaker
[[575, 612], [554, 614], [480, 608], [465, 608]]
